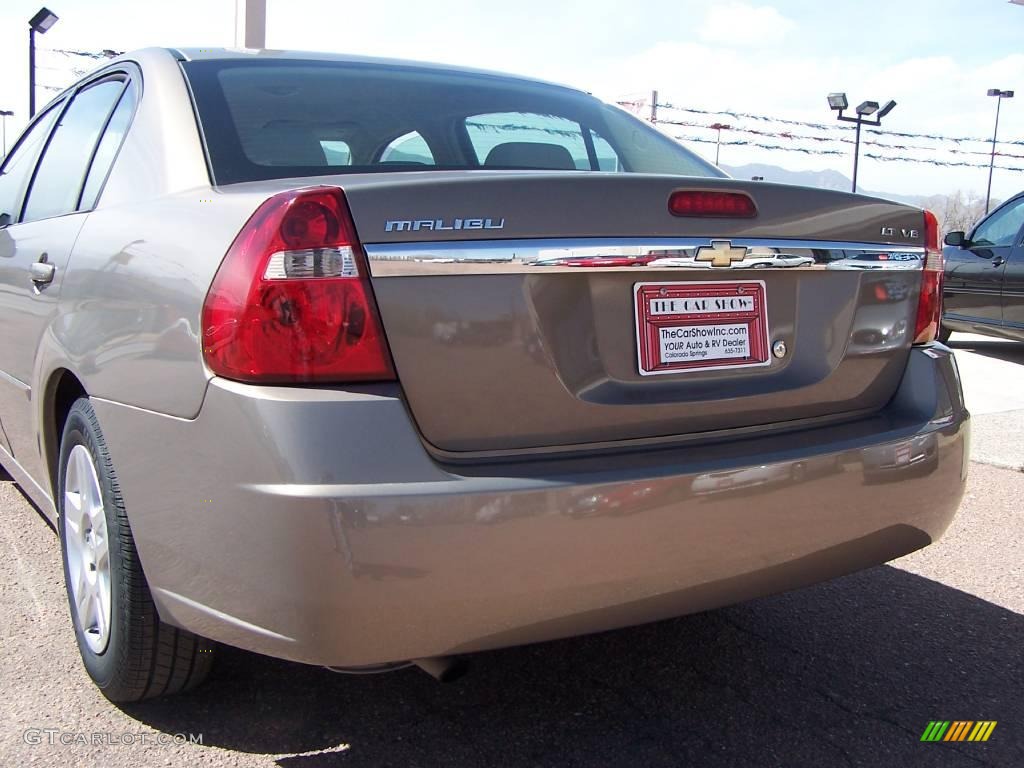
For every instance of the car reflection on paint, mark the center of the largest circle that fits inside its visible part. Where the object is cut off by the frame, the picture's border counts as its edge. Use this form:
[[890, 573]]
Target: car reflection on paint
[[735, 479], [918, 455], [606, 256], [756, 258], [759, 257], [875, 327], [766, 474], [588, 502], [619, 501], [888, 260]]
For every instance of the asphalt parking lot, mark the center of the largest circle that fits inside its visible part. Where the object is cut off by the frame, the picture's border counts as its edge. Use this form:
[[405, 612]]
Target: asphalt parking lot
[[842, 674]]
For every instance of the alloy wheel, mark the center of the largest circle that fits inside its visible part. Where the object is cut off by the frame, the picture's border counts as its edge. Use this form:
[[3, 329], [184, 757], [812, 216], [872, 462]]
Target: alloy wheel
[[87, 546]]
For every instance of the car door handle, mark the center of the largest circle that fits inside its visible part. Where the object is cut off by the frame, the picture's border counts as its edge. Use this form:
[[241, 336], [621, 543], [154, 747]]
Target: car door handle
[[42, 273], [998, 261]]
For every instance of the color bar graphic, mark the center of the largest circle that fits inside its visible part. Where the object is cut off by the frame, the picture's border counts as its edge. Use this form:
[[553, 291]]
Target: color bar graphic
[[958, 730], [935, 730]]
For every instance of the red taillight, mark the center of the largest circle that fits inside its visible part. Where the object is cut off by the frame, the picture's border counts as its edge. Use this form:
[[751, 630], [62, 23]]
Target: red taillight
[[929, 305], [690, 202], [291, 301]]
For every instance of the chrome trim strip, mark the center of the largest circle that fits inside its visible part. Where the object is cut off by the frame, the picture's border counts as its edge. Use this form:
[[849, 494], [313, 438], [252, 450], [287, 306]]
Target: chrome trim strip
[[465, 257], [974, 291]]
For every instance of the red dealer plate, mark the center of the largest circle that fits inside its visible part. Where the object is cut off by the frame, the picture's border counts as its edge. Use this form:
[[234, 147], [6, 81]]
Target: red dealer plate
[[700, 326]]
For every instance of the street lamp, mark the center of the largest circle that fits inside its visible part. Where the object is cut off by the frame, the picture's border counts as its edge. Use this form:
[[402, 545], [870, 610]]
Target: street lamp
[[718, 143], [4, 114], [1000, 95], [837, 103], [40, 23]]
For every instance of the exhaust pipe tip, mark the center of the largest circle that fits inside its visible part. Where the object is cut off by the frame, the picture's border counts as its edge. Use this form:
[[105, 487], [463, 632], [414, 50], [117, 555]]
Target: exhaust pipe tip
[[444, 669]]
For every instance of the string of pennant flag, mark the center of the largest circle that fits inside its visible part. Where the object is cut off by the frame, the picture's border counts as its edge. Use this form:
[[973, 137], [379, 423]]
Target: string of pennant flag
[[759, 145], [824, 126], [840, 139], [873, 156], [944, 163], [107, 54], [813, 138]]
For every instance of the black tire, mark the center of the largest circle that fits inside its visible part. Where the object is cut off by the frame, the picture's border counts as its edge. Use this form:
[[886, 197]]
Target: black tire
[[944, 334], [144, 657]]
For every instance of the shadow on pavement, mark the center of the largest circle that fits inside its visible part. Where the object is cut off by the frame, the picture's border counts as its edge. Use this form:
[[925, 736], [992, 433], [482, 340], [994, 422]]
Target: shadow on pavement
[[845, 673], [1008, 351], [28, 500]]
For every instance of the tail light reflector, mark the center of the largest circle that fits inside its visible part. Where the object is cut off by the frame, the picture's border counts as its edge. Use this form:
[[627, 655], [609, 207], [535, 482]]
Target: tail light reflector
[[929, 305], [291, 302], [695, 202]]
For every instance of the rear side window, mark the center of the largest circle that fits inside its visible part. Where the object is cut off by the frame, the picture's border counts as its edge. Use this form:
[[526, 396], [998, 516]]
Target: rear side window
[[58, 181], [18, 168], [106, 150], [408, 148], [607, 157], [273, 118], [524, 140], [336, 152]]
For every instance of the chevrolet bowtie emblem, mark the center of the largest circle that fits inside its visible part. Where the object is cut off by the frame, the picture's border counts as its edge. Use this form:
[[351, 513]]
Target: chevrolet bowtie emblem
[[722, 253]]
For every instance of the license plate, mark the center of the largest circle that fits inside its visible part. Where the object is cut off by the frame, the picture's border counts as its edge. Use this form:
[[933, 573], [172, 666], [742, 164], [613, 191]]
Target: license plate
[[700, 326]]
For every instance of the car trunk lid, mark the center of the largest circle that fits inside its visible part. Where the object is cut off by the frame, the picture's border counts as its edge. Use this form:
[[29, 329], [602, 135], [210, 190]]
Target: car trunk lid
[[516, 305]]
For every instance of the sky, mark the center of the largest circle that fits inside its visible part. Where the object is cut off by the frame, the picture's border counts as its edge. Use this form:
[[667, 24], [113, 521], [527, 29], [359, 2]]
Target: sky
[[936, 58]]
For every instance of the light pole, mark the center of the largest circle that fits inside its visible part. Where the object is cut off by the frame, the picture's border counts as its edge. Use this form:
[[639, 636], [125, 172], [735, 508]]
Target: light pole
[[1000, 95], [837, 102], [4, 114], [718, 142], [40, 23], [250, 23]]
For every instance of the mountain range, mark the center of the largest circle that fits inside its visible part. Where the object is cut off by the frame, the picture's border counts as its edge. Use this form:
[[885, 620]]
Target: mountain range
[[826, 179]]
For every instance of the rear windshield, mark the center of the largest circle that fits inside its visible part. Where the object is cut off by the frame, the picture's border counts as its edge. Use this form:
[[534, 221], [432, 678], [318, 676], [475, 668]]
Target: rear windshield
[[279, 119]]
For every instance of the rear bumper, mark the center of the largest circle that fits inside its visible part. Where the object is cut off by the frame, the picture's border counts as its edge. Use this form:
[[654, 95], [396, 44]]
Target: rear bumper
[[313, 525]]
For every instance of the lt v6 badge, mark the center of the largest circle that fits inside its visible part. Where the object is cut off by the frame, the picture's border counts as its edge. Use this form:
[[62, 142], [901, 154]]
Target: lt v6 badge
[[910, 234]]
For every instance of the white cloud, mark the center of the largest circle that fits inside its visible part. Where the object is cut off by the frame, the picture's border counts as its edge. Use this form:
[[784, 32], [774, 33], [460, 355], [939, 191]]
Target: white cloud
[[743, 24]]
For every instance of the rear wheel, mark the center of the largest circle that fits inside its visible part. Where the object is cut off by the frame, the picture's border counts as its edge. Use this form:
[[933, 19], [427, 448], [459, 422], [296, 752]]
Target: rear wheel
[[127, 650]]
